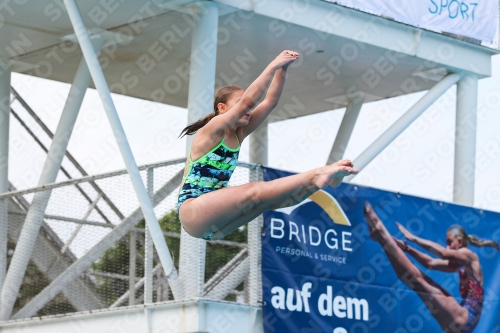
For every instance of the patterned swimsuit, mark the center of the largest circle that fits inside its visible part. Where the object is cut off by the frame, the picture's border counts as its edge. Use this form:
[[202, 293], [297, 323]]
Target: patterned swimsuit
[[209, 173], [472, 299]]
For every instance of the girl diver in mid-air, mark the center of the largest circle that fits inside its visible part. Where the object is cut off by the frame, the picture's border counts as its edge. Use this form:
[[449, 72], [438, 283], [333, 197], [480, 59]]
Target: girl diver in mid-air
[[209, 209], [455, 257]]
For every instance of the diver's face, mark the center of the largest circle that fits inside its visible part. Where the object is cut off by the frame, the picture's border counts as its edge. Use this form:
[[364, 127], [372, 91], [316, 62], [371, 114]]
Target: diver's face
[[452, 242], [233, 99]]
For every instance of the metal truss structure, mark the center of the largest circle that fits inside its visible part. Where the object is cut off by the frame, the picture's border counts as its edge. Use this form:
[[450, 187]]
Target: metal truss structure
[[24, 213]]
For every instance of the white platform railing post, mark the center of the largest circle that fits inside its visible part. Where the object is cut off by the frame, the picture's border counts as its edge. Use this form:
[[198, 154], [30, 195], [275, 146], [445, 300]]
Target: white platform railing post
[[34, 218], [403, 122], [200, 100], [5, 74], [345, 130], [259, 155], [254, 254], [148, 256], [465, 141], [121, 139], [131, 268]]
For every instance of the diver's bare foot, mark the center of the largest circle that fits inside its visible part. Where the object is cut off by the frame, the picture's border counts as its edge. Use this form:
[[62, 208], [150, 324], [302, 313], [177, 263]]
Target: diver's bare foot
[[374, 223]]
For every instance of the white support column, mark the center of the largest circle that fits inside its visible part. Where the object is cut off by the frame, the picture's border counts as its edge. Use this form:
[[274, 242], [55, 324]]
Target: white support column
[[4, 166], [254, 257], [259, 141], [126, 152], [258, 154], [345, 130], [465, 141], [148, 241], [203, 62], [34, 218], [259, 144], [403, 122], [200, 101], [254, 284]]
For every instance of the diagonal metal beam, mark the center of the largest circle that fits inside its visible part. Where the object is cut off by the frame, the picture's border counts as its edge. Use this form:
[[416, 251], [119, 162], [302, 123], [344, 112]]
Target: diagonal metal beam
[[83, 263], [137, 285], [123, 145], [225, 271], [64, 171], [79, 227], [49, 233], [78, 187], [49, 260], [5, 76], [231, 281], [345, 130], [68, 155], [34, 219], [403, 122]]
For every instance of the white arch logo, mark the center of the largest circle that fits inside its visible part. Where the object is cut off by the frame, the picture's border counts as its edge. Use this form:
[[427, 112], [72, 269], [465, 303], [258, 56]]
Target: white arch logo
[[327, 202]]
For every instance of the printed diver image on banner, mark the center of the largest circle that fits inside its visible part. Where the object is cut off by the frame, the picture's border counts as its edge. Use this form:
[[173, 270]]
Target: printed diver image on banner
[[357, 259]]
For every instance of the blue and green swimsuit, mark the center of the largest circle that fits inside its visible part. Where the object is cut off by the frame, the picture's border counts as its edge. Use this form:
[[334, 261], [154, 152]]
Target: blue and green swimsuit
[[209, 173]]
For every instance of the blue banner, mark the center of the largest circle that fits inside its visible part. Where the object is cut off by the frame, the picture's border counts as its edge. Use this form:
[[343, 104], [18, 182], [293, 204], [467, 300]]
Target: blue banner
[[325, 269]]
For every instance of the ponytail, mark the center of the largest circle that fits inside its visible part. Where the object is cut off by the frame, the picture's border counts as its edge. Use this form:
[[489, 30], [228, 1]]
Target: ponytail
[[194, 127], [459, 232], [221, 96], [482, 242]]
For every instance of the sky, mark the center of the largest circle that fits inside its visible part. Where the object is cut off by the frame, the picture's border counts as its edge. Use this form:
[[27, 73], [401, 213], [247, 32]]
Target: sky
[[419, 162]]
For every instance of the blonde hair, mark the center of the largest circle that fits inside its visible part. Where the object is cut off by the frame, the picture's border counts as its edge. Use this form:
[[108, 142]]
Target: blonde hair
[[459, 232]]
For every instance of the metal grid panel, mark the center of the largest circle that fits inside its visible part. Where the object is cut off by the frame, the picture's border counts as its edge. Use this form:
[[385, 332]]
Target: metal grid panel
[[75, 223]]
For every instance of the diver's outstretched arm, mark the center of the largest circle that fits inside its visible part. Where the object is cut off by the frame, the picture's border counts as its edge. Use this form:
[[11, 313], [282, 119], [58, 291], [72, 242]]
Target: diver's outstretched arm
[[251, 95], [459, 257], [261, 111], [426, 260]]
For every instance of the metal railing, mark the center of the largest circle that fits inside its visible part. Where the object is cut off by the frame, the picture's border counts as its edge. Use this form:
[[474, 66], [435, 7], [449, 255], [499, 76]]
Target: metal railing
[[115, 271]]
